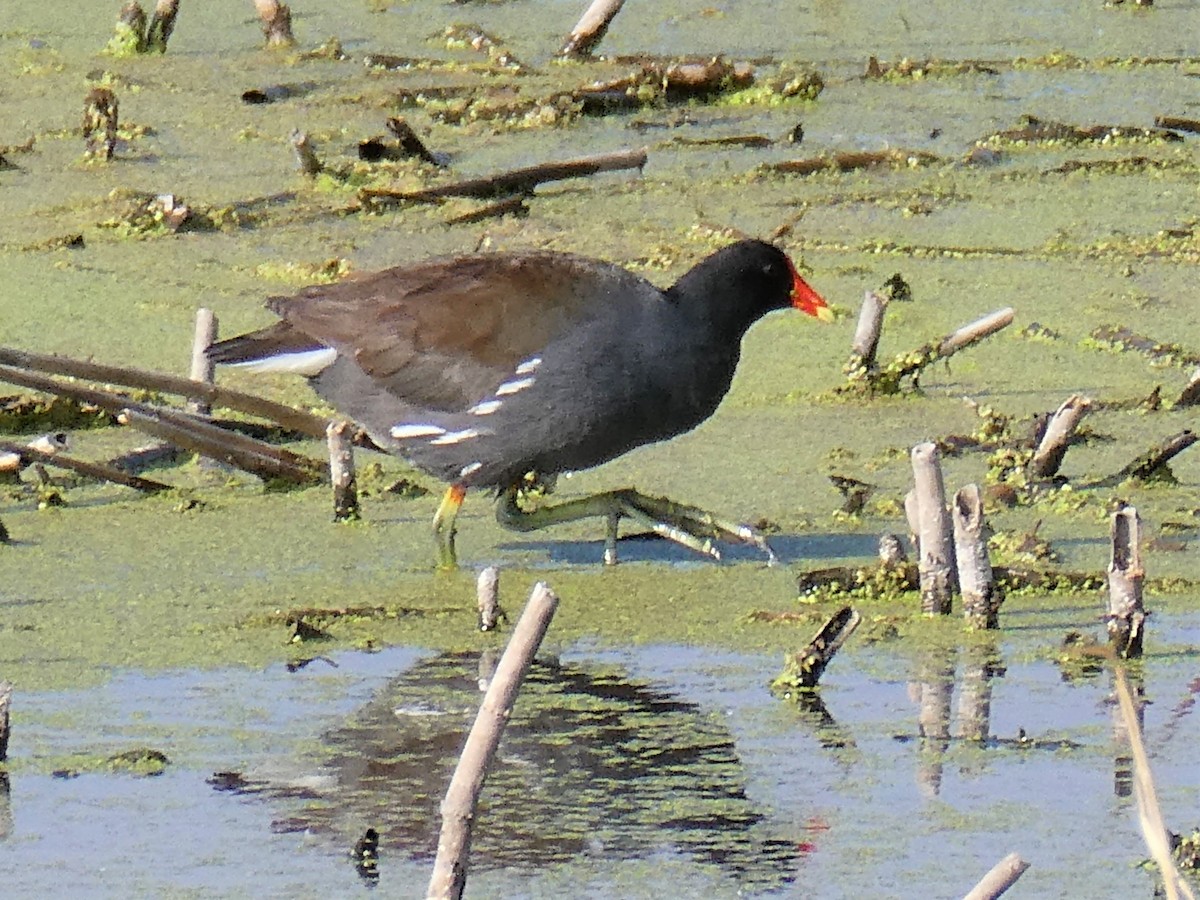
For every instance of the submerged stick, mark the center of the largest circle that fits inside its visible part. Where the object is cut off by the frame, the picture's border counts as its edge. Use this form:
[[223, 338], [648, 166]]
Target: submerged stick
[[805, 668], [292, 419], [590, 29], [14, 458], [910, 365], [934, 530], [256, 457], [1002, 876], [1190, 395], [1151, 462], [981, 597], [246, 453], [341, 471], [203, 369], [458, 809], [1154, 828], [1177, 123], [517, 180], [408, 140], [975, 331], [853, 160], [89, 469], [1126, 615], [514, 205]]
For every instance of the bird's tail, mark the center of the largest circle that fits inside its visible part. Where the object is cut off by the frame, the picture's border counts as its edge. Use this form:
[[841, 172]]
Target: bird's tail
[[278, 348]]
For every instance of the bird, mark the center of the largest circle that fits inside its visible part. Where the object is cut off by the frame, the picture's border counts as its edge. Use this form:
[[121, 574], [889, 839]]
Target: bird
[[501, 370]]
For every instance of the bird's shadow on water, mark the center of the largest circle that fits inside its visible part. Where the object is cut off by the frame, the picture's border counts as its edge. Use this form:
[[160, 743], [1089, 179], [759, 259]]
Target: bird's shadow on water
[[789, 549]]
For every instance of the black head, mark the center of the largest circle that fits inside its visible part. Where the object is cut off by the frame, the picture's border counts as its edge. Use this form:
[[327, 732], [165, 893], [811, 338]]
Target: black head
[[741, 283]]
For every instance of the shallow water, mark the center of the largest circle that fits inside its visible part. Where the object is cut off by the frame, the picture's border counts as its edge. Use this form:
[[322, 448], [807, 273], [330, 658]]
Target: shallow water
[[837, 802], [129, 622]]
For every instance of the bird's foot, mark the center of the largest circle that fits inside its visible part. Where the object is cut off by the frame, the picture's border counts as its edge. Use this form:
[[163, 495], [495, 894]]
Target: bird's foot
[[688, 526], [693, 527]]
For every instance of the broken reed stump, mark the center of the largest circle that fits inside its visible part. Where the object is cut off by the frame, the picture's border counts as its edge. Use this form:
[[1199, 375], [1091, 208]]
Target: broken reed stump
[[981, 596], [1126, 615], [487, 598], [276, 21], [6, 690], [865, 346], [306, 157], [590, 29], [934, 531], [458, 808], [129, 38], [162, 24], [100, 108], [1051, 449], [203, 369], [999, 879], [341, 471]]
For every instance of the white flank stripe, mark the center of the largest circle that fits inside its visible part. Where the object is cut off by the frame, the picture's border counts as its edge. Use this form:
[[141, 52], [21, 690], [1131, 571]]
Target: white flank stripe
[[402, 432], [470, 469], [511, 387], [486, 408], [530, 365], [310, 362], [455, 437]]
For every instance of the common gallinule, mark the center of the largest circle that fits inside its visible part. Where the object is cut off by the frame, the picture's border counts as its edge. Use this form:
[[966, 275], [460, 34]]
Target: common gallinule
[[501, 370]]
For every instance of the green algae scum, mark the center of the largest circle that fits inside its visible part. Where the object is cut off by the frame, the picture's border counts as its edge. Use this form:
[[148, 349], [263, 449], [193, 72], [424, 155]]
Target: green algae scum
[[176, 732]]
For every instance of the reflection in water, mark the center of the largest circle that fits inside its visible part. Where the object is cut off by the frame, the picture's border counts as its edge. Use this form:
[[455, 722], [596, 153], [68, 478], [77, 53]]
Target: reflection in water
[[6, 823], [591, 763], [1122, 751], [932, 690]]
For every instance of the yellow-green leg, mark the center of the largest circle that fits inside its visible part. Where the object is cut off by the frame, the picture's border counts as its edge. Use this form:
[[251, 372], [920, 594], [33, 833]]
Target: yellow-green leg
[[444, 528]]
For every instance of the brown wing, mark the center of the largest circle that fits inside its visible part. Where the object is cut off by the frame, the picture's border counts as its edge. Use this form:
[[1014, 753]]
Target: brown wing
[[444, 332]]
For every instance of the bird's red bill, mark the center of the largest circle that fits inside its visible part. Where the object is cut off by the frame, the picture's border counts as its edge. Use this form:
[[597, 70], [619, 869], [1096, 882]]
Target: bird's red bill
[[805, 299]]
